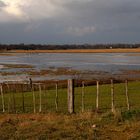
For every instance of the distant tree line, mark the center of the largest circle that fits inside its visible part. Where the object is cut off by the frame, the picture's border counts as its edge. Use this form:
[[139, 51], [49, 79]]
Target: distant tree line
[[64, 47]]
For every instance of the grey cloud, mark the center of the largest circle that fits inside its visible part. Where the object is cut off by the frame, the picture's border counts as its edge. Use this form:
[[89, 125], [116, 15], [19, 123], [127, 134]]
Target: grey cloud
[[2, 4], [80, 31], [92, 21]]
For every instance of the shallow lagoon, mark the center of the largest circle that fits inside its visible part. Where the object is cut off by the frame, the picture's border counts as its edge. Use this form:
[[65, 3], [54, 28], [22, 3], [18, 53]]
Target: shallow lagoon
[[112, 63]]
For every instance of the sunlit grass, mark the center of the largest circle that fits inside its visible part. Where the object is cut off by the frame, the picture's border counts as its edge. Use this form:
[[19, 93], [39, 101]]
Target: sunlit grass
[[48, 99]]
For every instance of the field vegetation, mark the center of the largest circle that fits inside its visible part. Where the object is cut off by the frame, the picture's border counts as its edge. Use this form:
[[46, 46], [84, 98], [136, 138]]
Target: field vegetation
[[60, 125], [81, 126], [49, 95]]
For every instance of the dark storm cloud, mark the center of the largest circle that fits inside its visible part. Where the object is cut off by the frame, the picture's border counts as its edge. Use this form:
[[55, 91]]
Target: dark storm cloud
[[91, 21]]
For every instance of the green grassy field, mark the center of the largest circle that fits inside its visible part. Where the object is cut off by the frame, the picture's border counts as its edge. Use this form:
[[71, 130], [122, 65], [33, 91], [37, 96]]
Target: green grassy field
[[48, 99], [60, 125]]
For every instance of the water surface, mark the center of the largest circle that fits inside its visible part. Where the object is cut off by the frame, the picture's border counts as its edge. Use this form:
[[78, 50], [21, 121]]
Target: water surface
[[112, 63]]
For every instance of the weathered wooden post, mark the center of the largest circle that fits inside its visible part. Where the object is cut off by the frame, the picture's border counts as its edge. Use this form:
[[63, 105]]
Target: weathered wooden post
[[31, 83], [97, 95], [127, 96], [33, 93], [83, 96], [40, 99], [14, 101], [56, 96], [34, 101], [71, 96], [23, 102], [112, 97], [44, 89], [9, 98], [2, 98], [45, 96]]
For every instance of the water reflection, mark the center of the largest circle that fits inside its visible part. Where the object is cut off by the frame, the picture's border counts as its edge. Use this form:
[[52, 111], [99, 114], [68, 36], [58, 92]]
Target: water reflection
[[108, 62]]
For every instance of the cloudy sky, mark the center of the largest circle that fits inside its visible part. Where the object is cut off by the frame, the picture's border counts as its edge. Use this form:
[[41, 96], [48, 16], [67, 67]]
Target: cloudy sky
[[69, 21]]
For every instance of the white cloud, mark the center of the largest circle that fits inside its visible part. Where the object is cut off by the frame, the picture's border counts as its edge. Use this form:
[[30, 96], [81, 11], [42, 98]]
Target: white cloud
[[81, 31], [25, 10]]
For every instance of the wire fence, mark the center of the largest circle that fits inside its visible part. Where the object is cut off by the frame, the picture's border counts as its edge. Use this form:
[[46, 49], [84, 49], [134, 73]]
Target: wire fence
[[57, 96]]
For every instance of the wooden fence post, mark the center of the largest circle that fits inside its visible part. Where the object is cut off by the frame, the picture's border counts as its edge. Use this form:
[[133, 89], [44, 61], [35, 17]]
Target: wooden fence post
[[9, 98], [40, 99], [56, 97], [34, 101], [2, 98], [127, 96], [31, 83], [14, 101], [112, 97], [97, 95], [33, 93], [44, 89], [70, 96], [45, 96], [83, 95], [23, 101]]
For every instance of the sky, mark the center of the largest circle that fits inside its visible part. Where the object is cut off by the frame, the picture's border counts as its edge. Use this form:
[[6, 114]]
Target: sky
[[69, 21]]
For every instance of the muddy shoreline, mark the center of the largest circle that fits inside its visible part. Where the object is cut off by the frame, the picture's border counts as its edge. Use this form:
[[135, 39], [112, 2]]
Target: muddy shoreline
[[43, 67], [55, 74]]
